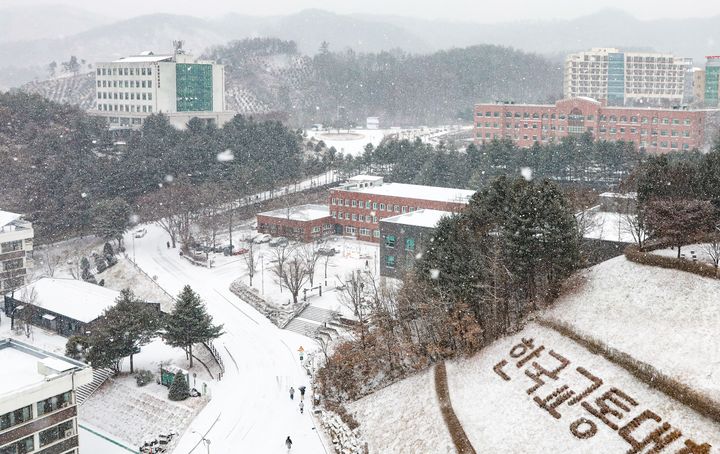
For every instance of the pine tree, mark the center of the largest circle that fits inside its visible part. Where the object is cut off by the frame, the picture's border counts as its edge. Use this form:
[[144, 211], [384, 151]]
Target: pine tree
[[189, 323], [179, 390]]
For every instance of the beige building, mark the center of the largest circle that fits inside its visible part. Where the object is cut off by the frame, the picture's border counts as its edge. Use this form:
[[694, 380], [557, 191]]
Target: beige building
[[177, 85], [698, 93], [16, 246], [626, 78], [38, 411]]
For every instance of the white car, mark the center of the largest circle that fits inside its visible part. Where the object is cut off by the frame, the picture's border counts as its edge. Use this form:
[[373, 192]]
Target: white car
[[139, 233], [262, 238]]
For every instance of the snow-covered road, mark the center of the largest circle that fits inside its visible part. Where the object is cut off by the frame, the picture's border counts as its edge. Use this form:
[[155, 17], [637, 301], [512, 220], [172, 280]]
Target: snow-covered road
[[250, 410]]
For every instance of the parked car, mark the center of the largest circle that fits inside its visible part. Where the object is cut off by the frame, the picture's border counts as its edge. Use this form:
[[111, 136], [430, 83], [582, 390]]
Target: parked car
[[240, 251], [262, 238], [279, 241], [330, 251], [139, 233]]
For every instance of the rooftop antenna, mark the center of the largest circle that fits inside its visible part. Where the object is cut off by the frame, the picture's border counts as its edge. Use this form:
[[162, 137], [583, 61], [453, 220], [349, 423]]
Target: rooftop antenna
[[178, 47]]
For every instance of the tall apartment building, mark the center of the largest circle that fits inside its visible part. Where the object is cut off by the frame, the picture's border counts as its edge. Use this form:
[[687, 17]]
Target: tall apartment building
[[16, 246], [712, 81], [627, 78], [655, 130], [698, 87], [38, 411], [358, 205], [131, 88]]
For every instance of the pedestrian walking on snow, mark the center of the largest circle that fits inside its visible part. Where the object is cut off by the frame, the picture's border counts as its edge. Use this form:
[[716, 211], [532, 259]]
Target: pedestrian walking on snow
[[292, 392], [168, 244], [302, 392], [288, 443], [301, 407]]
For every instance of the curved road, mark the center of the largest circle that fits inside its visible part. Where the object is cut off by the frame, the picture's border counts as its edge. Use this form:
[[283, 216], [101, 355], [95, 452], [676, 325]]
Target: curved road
[[250, 410]]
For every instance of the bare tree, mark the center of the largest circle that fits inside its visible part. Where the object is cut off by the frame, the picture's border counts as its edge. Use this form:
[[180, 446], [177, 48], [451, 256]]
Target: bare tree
[[50, 261], [174, 208], [356, 295], [712, 247], [251, 260], [310, 256], [75, 263], [293, 273], [634, 224]]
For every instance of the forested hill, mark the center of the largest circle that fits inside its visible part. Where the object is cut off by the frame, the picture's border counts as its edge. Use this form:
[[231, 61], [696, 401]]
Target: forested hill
[[269, 75]]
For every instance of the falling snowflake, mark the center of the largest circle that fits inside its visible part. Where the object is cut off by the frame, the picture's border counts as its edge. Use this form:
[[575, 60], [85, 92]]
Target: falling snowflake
[[169, 178], [225, 156], [526, 173], [83, 194], [418, 256], [434, 273], [134, 218]]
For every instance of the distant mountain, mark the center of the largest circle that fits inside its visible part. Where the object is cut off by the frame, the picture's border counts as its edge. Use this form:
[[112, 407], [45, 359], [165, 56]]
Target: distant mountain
[[693, 38], [267, 76], [362, 33], [27, 23]]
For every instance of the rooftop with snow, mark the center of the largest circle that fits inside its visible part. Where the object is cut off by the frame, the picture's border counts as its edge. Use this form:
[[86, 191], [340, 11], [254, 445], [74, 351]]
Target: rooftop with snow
[[73, 298], [24, 365], [6, 218], [419, 218], [308, 212], [369, 184]]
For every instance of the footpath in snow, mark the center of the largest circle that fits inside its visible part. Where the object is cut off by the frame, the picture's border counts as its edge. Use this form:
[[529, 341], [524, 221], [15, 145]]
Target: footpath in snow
[[250, 410]]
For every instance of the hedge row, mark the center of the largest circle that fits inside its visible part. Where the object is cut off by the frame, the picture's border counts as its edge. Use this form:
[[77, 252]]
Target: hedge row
[[701, 403], [457, 433], [645, 257]]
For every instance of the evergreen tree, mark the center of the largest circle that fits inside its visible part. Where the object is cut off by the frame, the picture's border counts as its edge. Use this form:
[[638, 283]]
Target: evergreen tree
[[189, 323], [121, 331], [179, 390]]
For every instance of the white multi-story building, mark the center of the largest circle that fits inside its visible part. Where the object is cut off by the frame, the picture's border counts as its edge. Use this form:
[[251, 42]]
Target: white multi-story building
[[38, 410], [627, 78], [16, 246], [130, 89]]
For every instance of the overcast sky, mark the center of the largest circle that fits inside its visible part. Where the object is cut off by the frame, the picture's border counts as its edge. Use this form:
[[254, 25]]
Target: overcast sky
[[465, 10]]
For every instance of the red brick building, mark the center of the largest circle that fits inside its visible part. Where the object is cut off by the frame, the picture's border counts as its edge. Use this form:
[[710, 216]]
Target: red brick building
[[303, 222], [655, 130], [357, 205]]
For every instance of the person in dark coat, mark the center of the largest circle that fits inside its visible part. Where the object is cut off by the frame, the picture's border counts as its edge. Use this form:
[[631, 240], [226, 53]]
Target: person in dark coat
[[288, 442], [292, 393], [302, 392]]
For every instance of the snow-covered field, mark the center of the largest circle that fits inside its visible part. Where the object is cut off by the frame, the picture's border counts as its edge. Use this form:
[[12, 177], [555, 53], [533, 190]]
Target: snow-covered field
[[404, 418], [666, 318], [350, 144], [506, 412]]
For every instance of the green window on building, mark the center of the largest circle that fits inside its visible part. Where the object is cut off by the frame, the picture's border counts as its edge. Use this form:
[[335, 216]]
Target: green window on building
[[616, 79], [712, 78], [390, 241], [194, 87], [390, 261], [410, 244]]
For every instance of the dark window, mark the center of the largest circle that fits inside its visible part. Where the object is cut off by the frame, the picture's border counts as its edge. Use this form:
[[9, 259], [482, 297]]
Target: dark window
[[54, 403], [390, 241], [390, 261], [55, 433], [16, 417], [19, 447]]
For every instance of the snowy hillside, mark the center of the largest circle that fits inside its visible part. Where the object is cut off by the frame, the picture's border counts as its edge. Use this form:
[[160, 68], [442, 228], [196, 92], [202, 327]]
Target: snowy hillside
[[666, 318], [500, 404]]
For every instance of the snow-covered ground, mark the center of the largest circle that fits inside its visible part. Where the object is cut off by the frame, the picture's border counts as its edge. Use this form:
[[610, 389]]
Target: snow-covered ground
[[663, 317], [692, 252], [504, 412], [351, 256], [502, 415], [352, 143], [603, 225], [404, 418], [250, 410]]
